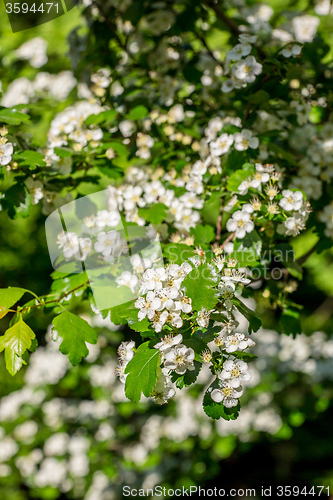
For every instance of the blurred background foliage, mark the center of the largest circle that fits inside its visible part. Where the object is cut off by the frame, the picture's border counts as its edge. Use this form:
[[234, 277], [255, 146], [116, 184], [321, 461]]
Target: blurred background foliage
[[288, 438]]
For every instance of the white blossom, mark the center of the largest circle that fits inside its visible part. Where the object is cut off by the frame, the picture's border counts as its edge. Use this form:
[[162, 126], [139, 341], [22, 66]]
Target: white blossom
[[235, 372], [180, 358], [227, 395], [240, 223]]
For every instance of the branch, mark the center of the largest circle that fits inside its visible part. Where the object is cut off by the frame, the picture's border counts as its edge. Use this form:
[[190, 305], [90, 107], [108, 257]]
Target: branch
[[221, 15], [52, 301]]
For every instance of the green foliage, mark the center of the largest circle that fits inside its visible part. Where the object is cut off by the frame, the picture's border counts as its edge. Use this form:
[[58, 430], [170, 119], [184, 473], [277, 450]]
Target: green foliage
[[154, 214], [141, 372], [203, 235], [75, 332], [211, 208], [15, 342], [13, 117], [17, 201], [239, 176], [290, 323], [254, 321], [9, 296], [199, 286]]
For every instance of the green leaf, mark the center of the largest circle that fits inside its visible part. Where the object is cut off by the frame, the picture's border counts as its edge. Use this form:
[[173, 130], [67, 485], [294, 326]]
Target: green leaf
[[63, 153], [137, 113], [105, 116], [290, 322], [199, 287], [203, 235], [254, 321], [31, 158], [211, 209], [178, 252], [238, 177], [9, 296], [13, 117], [142, 372], [154, 214], [15, 342], [17, 201], [218, 410], [75, 332]]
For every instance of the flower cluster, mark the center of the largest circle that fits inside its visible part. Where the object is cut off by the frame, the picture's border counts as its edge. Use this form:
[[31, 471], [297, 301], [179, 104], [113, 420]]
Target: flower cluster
[[69, 127], [245, 67], [165, 301]]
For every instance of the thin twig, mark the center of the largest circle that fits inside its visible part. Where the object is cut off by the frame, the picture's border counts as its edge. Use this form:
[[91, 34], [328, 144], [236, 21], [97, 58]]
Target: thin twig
[[230, 237], [52, 301]]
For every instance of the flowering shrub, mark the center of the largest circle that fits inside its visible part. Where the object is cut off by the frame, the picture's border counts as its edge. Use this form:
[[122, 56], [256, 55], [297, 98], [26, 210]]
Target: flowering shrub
[[208, 126]]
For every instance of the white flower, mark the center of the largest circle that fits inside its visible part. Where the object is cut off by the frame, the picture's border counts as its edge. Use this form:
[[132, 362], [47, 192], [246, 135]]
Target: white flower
[[235, 372], [85, 248], [106, 242], [195, 184], [69, 242], [292, 51], [203, 318], [227, 395], [246, 38], [101, 78], [237, 342], [199, 169], [105, 218], [184, 304], [186, 218], [305, 28], [34, 51], [163, 390], [240, 223], [247, 69], [221, 145], [148, 306], [291, 200], [152, 191], [168, 341], [179, 359], [227, 289], [120, 372], [126, 351], [35, 189], [132, 197], [294, 225], [245, 140], [259, 177], [127, 279], [228, 86], [189, 200], [152, 279], [6, 152], [238, 51]]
